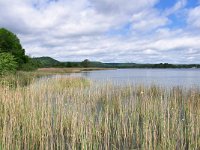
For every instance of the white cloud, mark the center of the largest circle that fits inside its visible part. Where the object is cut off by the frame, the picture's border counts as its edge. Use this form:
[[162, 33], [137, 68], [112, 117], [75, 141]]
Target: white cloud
[[148, 20], [177, 6], [122, 6], [194, 17], [150, 52], [74, 30]]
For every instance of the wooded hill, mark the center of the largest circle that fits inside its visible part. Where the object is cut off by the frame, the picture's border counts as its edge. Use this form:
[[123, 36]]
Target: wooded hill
[[50, 62]]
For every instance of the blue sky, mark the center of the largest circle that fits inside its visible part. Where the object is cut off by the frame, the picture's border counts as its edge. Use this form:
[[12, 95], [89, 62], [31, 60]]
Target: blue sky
[[145, 31], [164, 4]]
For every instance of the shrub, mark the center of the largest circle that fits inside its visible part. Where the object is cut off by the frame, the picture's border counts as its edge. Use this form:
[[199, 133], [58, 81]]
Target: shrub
[[10, 43], [8, 64]]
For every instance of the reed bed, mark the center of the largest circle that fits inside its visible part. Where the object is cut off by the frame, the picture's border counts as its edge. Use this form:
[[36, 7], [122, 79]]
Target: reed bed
[[73, 113]]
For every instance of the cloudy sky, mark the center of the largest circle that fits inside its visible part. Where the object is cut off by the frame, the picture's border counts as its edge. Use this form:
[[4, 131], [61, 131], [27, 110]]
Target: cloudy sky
[[141, 31]]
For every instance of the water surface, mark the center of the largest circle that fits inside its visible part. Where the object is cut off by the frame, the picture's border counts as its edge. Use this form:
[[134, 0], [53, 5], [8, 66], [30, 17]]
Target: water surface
[[160, 77]]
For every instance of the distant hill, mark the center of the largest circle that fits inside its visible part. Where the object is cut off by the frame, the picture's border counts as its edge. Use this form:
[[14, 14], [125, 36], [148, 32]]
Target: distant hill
[[47, 62]]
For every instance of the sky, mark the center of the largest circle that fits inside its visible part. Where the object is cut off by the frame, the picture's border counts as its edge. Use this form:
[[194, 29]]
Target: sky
[[137, 31]]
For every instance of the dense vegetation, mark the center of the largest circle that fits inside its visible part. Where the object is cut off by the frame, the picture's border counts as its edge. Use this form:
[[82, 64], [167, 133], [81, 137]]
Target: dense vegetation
[[7, 63], [12, 54], [9, 43], [72, 113], [44, 62]]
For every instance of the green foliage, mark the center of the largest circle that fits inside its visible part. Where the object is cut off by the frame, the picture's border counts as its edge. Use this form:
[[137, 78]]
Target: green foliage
[[8, 63], [85, 63], [30, 65], [45, 62], [69, 64], [9, 43]]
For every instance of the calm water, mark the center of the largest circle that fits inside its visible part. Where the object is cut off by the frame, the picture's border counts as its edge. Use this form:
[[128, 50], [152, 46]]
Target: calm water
[[161, 77]]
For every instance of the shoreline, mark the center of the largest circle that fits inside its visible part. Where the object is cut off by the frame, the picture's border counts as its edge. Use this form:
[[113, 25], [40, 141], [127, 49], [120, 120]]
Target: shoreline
[[70, 70]]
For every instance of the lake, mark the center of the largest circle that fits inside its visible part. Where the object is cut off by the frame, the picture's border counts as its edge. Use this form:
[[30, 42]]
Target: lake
[[160, 77]]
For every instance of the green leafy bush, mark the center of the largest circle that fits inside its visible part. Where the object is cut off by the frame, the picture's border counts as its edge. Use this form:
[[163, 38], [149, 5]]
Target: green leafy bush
[[8, 63], [10, 43]]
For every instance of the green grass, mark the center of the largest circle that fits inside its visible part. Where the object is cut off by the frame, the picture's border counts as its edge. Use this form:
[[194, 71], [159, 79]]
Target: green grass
[[74, 113]]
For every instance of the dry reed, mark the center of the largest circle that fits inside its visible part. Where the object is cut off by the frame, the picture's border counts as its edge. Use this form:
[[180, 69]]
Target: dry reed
[[72, 113]]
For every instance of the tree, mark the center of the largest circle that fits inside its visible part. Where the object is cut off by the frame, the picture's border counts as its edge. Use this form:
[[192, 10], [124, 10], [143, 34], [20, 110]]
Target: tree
[[85, 63], [30, 65], [9, 43], [7, 63], [69, 64]]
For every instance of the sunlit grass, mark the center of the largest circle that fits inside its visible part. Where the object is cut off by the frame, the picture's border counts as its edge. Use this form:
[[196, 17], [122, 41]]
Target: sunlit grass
[[73, 113]]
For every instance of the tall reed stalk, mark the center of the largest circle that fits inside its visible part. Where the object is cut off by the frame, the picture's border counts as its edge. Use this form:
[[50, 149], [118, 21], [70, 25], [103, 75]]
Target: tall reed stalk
[[72, 113]]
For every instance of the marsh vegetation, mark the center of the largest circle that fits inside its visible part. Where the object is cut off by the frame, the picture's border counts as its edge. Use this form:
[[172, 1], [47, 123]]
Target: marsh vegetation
[[74, 113]]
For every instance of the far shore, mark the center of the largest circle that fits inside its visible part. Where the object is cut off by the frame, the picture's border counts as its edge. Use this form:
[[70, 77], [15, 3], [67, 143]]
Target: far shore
[[70, 70]]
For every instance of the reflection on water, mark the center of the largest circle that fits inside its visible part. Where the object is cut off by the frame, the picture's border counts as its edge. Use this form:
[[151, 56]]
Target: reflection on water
[[161, 77], [86, 74]]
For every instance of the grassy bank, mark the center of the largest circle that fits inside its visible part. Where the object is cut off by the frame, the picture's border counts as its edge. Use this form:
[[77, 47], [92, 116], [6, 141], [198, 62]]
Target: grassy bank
[[69, 70], [23, 78], [73, 113]]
